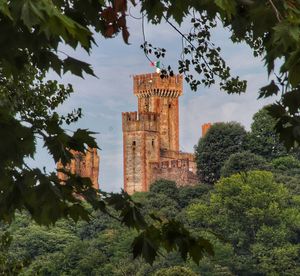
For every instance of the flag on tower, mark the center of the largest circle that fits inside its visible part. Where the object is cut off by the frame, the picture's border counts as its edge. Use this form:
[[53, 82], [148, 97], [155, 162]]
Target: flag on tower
[[157, 65]]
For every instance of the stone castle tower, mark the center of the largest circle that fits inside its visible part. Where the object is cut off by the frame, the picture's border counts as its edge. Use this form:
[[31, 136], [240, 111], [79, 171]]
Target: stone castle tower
[[151, 135], [205, 128], [85, 165]]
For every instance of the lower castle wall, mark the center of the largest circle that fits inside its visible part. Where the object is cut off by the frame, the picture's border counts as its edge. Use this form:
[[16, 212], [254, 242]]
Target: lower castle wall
[[175, 170], [169, 155]]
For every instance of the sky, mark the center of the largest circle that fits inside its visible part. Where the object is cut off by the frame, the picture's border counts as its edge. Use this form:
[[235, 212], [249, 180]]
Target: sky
[[103, 99]]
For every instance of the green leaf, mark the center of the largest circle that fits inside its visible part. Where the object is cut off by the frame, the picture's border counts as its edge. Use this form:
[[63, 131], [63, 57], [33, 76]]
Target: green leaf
[[268, 90], [174, 235], [132, 217], [57, 146], [77, 67], [82, 137], [294, 76], [276, 110], [5, 9], [146, 244], [30, 15], [228, 6], [292, 101], [154, 9]]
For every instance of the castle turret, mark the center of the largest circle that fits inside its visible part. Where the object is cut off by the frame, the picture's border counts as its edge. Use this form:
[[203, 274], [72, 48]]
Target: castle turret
[[140, 147], [205, 128], [85, 165], [160, 95]]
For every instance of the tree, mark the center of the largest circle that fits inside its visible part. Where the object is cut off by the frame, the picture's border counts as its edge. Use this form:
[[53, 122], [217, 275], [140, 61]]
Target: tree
[[8, 266], [189, 193], [175, 271], [165, 187], [288, 164], [275, 38], [221, 140], [287, 171], [28, 112], [257, 216], [243, 162], [263, 140]]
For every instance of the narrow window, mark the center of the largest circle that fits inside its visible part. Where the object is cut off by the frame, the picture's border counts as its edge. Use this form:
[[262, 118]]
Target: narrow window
[[133, 143]]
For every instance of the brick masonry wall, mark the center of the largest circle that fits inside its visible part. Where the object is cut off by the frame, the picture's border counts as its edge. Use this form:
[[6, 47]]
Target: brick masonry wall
[[85, 165], [175, 170]]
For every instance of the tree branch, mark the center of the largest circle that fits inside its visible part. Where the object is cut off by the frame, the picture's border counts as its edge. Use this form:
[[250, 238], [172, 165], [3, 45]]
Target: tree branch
[[278, 15]]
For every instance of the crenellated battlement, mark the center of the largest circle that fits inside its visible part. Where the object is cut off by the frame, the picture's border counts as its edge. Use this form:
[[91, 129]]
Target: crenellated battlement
[[170, 164], [146, 85], [134, 121], [171, 154]]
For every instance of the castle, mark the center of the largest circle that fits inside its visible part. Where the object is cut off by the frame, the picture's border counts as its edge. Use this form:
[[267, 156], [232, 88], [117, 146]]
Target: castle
[[151, 135], [150, 139], [85, 165]]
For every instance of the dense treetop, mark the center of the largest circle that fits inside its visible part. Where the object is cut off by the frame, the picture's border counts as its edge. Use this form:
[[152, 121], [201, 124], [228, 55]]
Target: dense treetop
[[220, 141]]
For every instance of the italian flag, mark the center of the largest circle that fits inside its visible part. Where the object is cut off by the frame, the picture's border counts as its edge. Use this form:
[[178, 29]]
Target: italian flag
[[157, 65]]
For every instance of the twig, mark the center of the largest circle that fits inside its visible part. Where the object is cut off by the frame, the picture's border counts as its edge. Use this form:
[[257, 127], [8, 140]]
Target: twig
[[278, 15]]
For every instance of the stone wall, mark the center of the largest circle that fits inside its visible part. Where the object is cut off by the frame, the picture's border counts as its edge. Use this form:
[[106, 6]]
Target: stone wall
[[85, 165], [141, 145], [168, 155], [176, 170]]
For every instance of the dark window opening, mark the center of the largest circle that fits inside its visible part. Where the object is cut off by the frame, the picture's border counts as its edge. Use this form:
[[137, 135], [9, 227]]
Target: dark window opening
[[152, 142], [170, 105], [133, 143]]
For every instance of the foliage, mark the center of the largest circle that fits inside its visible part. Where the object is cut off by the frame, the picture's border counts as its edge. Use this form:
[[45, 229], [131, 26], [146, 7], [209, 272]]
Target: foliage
[[270, 28], [243, 162], [100, 247], [28, 112], [8, 267], [226, 216], [166, 187], [263, 140], [189, 193], [221, 140], [175, 271], [287, 164], [287, 171], [38, 27], [255, 215]]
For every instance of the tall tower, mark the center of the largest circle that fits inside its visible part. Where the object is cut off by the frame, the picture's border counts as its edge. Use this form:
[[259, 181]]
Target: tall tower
[[140, 147], [154, 127], [205, 128], [161, 97], [85, 165]]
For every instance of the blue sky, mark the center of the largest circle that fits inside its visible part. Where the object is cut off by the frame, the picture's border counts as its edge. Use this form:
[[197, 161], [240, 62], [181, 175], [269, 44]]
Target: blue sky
[[104, 99]]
